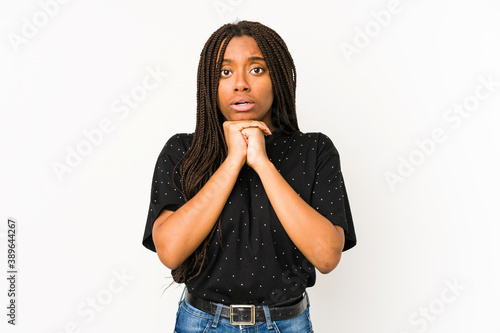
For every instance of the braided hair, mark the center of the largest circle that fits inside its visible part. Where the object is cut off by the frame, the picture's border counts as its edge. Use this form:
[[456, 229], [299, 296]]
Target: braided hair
[[208, 148]]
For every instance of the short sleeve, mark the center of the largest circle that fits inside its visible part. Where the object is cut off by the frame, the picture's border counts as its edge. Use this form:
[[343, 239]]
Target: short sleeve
[[166, 185], [329, 192]]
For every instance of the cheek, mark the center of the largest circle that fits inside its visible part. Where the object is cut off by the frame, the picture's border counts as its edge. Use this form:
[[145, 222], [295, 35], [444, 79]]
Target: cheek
[[222, 93]]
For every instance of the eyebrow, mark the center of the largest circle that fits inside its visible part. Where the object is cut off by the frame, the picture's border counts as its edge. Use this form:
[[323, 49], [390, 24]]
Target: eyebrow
[[251, 59]]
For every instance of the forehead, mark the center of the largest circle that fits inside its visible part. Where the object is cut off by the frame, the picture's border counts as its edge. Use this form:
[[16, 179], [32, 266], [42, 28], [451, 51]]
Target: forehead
[[240, 48]]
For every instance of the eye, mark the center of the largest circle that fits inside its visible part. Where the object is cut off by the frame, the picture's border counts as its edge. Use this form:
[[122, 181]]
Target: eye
[[225, 72], [257, 70]]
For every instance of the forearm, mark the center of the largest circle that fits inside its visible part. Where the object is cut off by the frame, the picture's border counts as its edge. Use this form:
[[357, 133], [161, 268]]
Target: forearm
[[314, 235], [177, 234]]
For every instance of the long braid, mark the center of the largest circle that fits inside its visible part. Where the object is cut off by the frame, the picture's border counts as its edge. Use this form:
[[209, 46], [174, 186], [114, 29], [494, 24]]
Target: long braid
[[209, 149]]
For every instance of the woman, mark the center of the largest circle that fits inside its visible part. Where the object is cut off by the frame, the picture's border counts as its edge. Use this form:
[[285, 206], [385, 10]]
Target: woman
[[247, 207]]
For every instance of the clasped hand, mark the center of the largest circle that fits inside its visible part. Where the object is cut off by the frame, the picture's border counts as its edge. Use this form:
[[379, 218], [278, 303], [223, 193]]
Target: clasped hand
[[245, 141]]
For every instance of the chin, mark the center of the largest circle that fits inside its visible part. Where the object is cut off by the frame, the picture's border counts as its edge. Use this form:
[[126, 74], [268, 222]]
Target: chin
[[243, 116]]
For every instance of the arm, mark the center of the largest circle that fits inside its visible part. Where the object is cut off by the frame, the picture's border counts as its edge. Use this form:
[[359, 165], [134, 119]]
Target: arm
[[319, 240], [178, 234]]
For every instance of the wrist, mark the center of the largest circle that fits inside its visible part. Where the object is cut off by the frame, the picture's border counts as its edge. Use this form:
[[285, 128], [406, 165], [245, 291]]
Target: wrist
[[235, 162], [262, 165]]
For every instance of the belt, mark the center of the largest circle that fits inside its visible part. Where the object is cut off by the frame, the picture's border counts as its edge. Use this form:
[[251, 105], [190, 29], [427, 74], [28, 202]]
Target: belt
[[248, 314]]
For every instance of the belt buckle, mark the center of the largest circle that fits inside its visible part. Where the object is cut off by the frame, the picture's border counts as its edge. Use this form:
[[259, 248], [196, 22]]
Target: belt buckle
[[244, 306]]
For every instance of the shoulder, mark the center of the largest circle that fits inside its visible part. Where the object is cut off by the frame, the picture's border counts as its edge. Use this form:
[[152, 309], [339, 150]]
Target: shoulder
[[317, 140], [177, 145]]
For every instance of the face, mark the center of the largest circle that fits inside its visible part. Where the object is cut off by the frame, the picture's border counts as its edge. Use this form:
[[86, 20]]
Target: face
[[245, 89]]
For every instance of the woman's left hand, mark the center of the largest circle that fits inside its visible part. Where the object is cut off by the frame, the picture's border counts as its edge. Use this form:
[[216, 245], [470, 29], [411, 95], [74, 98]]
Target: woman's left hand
[[256, 146]]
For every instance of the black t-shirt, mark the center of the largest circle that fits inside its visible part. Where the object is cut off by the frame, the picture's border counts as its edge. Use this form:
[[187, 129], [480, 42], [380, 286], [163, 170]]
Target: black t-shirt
[[257, 262]]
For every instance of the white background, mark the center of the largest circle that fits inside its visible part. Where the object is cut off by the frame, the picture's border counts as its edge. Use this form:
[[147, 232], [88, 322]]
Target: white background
[[437, 228]]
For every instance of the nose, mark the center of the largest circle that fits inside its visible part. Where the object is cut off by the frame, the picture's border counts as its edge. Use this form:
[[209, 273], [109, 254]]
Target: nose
[[241, 82]]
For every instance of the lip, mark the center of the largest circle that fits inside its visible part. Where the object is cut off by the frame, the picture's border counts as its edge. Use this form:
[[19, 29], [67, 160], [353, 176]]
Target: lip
[[237, 105], [242, 107]]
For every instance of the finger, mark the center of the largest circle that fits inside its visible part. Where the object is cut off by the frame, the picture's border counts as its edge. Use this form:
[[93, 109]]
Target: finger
[[263, 127], [245, 136], [242, 124], [253, 130]]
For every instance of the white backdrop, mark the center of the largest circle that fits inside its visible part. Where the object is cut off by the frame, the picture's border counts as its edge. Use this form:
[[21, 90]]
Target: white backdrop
[[409, 92]]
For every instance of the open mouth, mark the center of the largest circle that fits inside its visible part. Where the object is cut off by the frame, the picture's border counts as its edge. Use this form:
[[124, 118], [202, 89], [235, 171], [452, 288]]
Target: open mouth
[[242, 106]]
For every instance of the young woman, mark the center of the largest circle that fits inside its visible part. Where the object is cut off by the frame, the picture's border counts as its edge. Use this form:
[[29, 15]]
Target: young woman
[[247, 208]]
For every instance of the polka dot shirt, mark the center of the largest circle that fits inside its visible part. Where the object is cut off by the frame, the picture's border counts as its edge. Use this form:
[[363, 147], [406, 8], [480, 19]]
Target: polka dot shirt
[[256, 262]]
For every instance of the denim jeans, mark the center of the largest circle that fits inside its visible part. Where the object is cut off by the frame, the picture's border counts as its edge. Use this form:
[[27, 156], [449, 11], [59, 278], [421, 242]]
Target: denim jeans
[[192, 320]]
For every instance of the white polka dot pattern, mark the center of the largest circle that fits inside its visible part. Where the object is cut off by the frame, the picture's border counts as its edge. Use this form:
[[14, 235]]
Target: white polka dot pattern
[[257, 261]]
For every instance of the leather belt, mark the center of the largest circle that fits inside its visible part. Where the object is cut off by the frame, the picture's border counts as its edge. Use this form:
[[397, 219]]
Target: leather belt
[[248, 314]]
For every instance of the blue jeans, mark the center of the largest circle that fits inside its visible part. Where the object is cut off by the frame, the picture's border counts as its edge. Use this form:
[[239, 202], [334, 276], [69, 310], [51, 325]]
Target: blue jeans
[[192, 320]]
